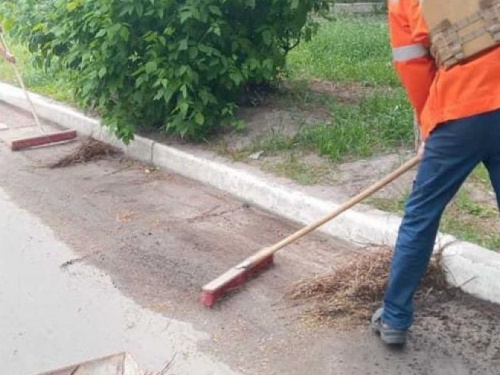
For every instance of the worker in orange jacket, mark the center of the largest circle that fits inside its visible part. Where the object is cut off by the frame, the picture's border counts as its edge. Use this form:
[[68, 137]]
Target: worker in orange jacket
[[453, 83]]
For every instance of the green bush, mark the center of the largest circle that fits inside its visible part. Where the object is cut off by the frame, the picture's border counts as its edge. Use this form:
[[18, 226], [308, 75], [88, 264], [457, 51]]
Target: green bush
[[178, 65]]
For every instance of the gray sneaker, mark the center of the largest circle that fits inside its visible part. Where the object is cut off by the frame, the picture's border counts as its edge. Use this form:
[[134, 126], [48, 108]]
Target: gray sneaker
[[388, 335]]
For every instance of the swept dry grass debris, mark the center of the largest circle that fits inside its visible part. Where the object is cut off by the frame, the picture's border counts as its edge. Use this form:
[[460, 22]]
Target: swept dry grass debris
[[89, 150], [352, 292]]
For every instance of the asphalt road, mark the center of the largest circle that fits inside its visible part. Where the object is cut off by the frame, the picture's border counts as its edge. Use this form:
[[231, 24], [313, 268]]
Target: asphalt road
[[111, 255]]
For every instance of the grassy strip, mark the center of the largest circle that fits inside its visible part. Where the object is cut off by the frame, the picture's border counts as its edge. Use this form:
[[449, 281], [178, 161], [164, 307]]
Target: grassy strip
[[354, 50], [348, 50], [378, 123]]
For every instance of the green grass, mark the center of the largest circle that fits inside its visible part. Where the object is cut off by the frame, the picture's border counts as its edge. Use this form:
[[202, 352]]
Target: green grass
[[464, 218], [273, 143], [349, 49], [43, 82], [472, 221], [353, 50], [378, 123], [481, 177], [293, 167], [480, 174]]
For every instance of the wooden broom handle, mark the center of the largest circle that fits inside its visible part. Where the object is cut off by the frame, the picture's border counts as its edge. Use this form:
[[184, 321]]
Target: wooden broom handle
[[266, 252]]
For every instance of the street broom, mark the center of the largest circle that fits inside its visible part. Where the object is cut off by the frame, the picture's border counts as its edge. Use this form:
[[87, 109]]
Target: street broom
[[44, 138], [239, 274]]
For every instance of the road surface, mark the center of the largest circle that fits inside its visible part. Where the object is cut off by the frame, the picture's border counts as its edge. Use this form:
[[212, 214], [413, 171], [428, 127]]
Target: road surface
[[110, 256]]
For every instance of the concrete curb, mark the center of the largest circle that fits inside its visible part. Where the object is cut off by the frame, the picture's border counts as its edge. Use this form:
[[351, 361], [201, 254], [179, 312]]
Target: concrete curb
[[366, 8], [474, 269]]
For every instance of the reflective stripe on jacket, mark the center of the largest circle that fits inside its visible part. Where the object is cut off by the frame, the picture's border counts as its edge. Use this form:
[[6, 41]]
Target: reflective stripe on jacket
[[439, 95]]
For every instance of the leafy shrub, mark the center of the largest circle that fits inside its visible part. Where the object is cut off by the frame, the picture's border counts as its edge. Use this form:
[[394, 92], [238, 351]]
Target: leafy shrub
[[178, 65]]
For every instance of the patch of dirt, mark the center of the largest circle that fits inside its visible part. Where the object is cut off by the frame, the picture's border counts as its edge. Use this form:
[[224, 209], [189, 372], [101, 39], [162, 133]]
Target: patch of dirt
[[268, 120], [351, 92], [342, 92], [473, 334], [355, 176]]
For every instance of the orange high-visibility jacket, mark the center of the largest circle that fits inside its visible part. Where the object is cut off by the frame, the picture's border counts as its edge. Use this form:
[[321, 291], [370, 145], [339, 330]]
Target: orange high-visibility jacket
[[439, 95]]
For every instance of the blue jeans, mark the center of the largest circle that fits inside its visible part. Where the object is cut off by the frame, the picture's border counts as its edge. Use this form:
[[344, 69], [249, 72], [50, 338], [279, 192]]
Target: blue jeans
[[452, 152]]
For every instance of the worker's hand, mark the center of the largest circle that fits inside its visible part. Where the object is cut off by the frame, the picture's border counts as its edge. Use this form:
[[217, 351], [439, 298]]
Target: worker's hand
[[10, 57]]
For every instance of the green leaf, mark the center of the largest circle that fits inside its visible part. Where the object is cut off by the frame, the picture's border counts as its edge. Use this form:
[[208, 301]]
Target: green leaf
[[267, 37], [182, 70], [185, 14], [215, 28], [250, 3], [124, 33], [151, 67], [183, 45], [102, 72], [199, 118], [73, 5], [236, 77], [193, 52], [101, 33], [184, 91], [184, 107], [214, 10]]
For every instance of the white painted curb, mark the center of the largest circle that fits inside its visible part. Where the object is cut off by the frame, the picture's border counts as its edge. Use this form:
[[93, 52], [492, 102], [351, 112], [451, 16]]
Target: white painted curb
[[357, 8], [476, 270]]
